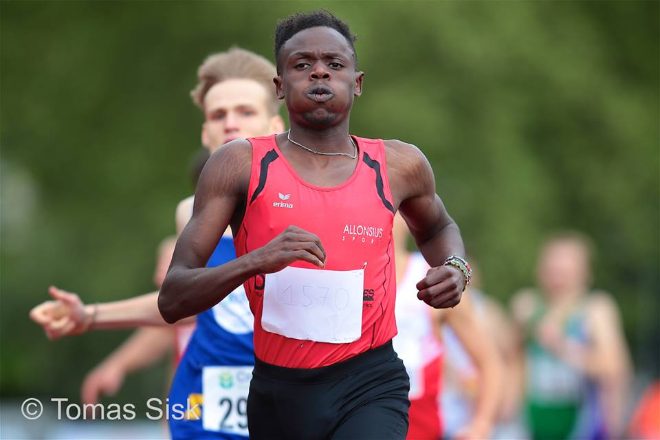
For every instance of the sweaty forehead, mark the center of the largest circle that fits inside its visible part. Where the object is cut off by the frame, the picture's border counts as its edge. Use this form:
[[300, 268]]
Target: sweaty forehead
[[318, 39]]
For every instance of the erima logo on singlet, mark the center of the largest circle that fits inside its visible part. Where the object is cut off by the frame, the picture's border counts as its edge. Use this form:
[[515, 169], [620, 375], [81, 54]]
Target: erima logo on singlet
[[282, 203]]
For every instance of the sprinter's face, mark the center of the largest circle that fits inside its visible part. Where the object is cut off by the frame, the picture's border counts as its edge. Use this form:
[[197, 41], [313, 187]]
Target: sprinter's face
[[318, 78]]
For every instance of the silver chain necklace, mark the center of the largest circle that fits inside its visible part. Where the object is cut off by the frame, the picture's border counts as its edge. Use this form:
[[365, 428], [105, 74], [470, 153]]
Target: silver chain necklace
[[321, 153]]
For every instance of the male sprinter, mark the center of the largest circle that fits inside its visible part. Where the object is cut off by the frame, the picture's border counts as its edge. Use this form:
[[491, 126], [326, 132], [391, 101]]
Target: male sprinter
[[236, 93], [311, 212]]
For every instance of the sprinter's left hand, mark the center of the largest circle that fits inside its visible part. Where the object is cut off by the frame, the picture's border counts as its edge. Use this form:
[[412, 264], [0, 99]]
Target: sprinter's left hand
[[442, 287]]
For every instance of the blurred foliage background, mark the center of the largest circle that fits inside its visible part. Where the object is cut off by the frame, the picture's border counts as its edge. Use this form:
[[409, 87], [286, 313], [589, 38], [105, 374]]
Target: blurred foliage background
[[536, 116]]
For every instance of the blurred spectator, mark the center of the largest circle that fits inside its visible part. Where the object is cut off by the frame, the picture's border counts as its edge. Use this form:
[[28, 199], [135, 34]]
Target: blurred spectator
[[573, 357]]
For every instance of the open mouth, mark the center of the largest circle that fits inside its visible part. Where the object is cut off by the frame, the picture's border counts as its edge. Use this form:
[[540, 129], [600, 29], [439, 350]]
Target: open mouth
[[320, 93]]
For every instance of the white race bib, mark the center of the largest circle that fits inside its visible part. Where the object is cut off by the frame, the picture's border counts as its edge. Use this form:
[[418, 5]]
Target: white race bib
[[315, 305], [225, 399]]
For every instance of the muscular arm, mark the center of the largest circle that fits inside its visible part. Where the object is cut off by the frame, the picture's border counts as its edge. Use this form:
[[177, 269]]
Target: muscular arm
[[436, 234]]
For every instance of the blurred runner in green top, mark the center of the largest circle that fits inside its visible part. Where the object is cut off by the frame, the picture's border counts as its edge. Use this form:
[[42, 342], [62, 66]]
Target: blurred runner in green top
[[572, 349]]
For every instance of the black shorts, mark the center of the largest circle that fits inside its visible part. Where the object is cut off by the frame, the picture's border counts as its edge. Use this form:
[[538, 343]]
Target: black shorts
[[365, 397]]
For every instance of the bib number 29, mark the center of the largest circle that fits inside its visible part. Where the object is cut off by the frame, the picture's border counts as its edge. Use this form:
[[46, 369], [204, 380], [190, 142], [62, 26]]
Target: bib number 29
[[234, 414]]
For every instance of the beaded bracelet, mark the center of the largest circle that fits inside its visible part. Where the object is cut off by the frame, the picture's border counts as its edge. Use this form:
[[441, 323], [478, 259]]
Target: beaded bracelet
[[462, 265]]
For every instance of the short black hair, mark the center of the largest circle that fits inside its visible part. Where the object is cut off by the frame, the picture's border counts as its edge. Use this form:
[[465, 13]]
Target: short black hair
[[300, 21]]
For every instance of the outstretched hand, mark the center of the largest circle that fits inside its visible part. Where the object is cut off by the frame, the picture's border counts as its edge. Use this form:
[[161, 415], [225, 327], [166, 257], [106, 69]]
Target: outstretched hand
[[291, 245], [442, 287], [65, 315]]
